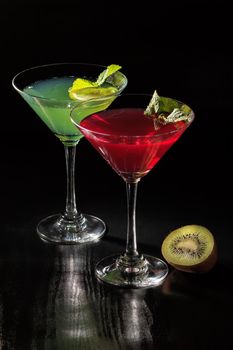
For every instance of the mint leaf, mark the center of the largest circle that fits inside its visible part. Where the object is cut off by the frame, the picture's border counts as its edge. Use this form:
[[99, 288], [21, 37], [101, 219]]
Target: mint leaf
[[167, 110], [107, 72], [153, 106]]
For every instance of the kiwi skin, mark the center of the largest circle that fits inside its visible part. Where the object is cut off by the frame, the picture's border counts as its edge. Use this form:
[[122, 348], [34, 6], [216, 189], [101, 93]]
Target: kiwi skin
[[200, 268]]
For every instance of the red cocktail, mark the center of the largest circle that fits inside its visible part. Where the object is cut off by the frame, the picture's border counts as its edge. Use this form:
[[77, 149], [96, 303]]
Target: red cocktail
[[132, 142], [128, 139]]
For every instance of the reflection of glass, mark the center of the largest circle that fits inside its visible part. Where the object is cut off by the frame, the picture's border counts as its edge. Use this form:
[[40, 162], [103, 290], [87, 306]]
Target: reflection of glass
[[132, 144], [76, 312], [45, 89]]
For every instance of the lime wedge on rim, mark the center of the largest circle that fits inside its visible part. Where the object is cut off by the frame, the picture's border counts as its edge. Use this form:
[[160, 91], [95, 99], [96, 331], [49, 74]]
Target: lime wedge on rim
[[92, 92], [86, 89]]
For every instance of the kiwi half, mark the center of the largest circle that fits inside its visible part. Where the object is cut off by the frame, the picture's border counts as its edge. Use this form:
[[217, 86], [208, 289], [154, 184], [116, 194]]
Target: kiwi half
[[191, 248]]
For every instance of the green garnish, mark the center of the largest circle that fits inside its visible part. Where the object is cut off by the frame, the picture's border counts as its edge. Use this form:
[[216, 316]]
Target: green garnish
[[106, 73], [153, 106], [82, 84], [166, 110]]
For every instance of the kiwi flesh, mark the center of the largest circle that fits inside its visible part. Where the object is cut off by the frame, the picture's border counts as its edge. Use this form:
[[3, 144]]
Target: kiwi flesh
[[190, 248]]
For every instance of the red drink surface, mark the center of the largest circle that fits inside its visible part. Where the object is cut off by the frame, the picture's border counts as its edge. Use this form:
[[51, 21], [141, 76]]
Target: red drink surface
[[128, 139]]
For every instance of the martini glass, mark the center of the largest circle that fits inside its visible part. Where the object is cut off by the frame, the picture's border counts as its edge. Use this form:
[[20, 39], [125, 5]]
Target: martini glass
[[45, 89], [132, 144]]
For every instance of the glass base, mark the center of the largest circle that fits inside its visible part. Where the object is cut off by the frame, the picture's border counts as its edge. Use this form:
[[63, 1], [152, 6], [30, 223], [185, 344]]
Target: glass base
[[57, 229], [108, 271]]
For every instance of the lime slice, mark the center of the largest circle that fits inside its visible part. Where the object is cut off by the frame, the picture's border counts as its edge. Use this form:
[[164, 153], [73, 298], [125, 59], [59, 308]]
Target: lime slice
[[83, 83], [80, 84], [92, 92], [84, 89]]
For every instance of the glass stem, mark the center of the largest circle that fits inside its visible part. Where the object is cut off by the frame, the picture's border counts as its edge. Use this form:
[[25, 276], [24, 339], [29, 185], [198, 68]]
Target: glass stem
[[131, 245], [131, 263], [71, 211]]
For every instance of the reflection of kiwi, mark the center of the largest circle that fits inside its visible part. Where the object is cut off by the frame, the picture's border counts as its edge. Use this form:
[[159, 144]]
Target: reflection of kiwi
[[190, 248]]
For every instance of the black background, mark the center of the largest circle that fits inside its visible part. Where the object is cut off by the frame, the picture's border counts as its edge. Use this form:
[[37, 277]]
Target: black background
[[180, 48]]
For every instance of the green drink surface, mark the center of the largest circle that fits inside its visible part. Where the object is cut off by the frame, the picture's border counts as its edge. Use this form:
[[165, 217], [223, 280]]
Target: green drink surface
[[50, 99], [55, 88]]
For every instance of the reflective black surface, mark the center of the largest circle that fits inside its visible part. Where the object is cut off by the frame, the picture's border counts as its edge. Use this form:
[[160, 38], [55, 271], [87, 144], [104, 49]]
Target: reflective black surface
[[50, 299]]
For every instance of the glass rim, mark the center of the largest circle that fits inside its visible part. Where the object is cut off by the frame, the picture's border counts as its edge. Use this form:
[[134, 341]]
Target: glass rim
[[192, 115], [34, 68]]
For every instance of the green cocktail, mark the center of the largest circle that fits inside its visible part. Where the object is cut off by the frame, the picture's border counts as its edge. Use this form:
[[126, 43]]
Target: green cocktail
[[53, 111], [47, 90], [51, 101]]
